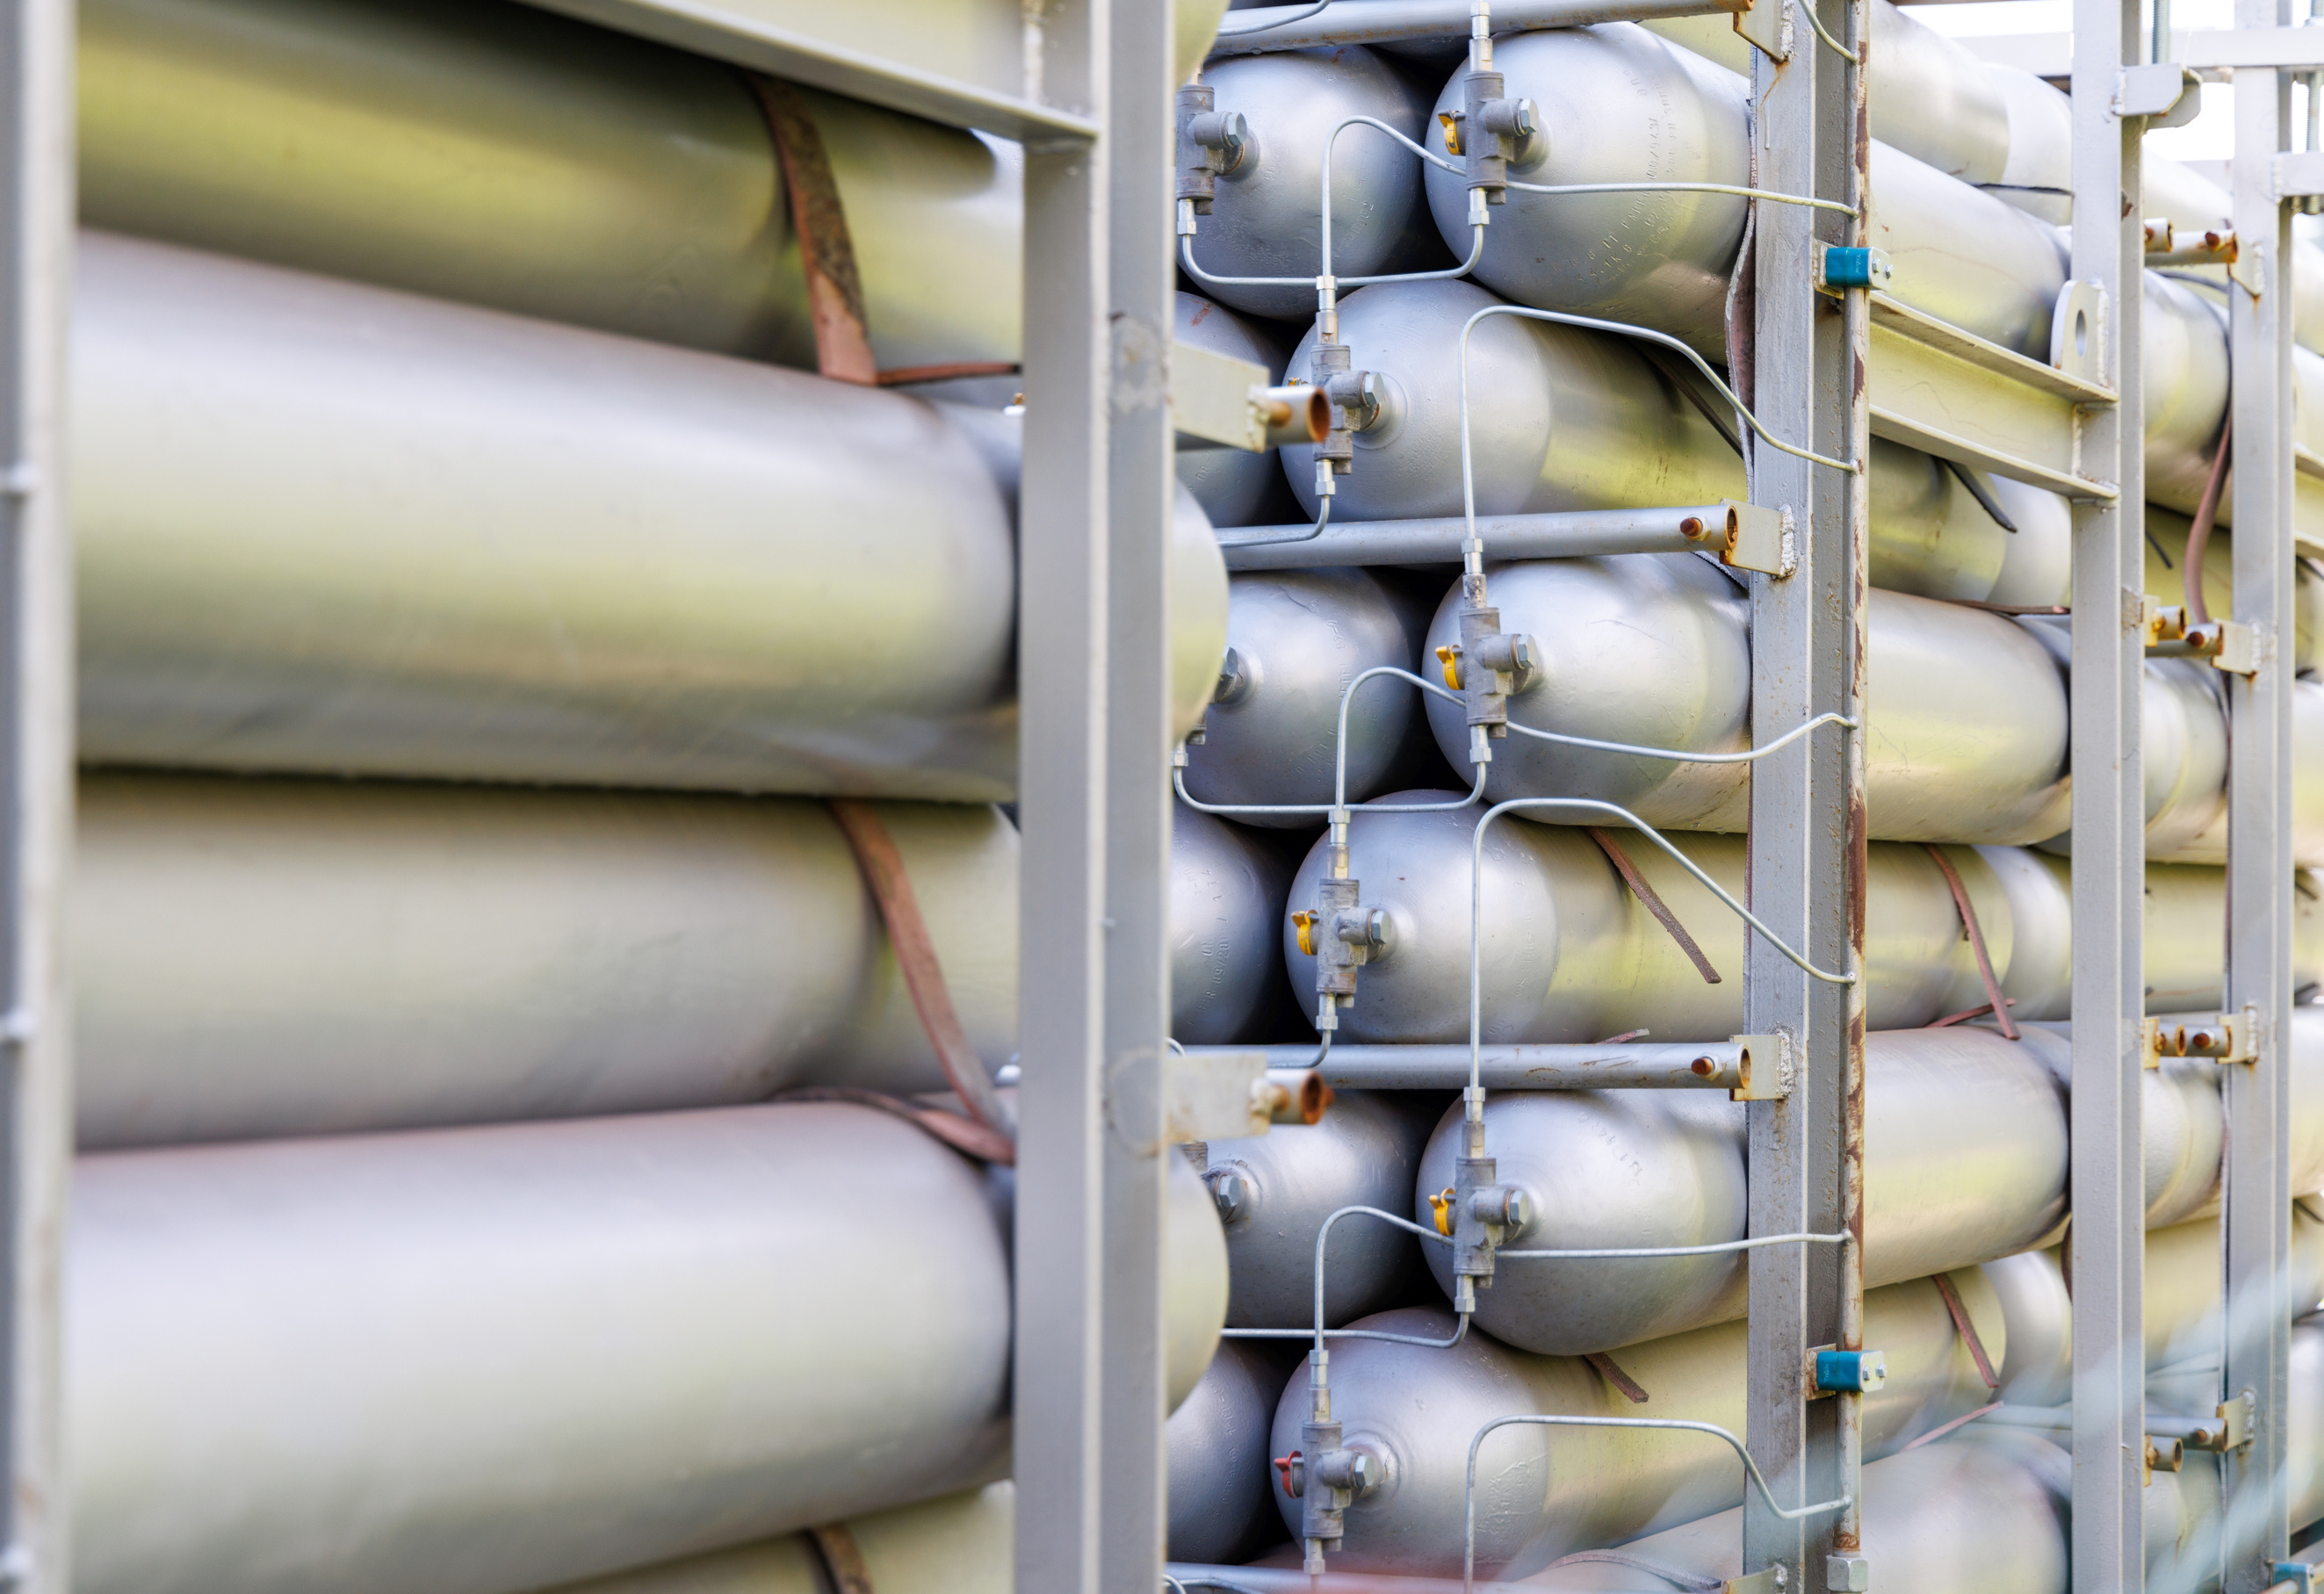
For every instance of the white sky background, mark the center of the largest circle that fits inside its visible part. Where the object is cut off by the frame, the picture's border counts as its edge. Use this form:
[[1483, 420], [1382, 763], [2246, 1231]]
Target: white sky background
[[2209, 137]]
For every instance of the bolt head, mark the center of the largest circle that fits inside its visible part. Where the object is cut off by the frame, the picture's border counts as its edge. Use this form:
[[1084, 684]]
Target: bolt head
[[1230, 1193], [1516, 1211]]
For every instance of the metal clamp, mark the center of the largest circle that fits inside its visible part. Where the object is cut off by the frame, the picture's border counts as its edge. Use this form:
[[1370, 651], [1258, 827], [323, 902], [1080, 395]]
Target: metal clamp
[[1764, 1064], [1845, 268]]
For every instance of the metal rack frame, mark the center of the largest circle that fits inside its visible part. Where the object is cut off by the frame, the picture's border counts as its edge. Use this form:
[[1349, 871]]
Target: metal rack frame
[[36, 773], [1089, 93]]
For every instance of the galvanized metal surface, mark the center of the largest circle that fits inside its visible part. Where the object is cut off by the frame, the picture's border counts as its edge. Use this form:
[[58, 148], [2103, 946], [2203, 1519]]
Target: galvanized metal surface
[[1625, 1064], [499, 156], [537, 1310], [1543, 1492]]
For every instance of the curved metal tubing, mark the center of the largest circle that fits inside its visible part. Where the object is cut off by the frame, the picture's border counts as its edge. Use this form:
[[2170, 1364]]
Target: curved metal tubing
[[1676, 756], [1682, 188], [1688, 1250], [1323, 1234], [1340, 787], [1280, 22], [1469, 1491]]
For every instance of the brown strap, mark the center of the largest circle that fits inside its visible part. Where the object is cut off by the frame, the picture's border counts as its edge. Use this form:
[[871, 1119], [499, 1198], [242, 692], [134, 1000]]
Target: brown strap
[[915, 958], [1966, 1014], [2199, 529], [1962, 906], [961, 1134], [951, 372], [1609, 1370], [834, 290], [1968, 1330], [1655, 905], [843, 1558], [1963, 1421]]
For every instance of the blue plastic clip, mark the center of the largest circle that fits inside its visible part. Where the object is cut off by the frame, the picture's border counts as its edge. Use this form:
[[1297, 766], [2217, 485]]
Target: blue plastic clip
[[1851, 1372], [1856, 268]]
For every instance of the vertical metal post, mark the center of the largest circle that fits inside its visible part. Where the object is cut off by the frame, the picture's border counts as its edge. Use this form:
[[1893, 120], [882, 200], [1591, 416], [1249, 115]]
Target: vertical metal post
[[1093, 672], [1807, 834], [2257, 1196], [36, 223], [2107, 1244]]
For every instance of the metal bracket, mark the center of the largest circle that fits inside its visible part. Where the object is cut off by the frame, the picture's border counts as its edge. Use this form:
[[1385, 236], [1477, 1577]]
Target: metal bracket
[[2078, 331], [1214, 1096], [2166, 94], [1767, 25], [1217, 400], [1760, 537], [2241, 1417], [1764, 1067], [2248, 270], [1769, 1581], [2150, 1043]]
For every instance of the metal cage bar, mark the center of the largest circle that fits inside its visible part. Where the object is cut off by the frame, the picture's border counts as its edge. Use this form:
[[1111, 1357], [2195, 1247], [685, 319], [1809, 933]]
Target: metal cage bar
[[1094, 673], [2108, 1242], [1807, 833], [36, 741], [2256, 1196]]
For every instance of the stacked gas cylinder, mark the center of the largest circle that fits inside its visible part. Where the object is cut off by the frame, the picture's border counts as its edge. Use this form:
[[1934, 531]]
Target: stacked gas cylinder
[[510, 1153], [1343, 685]]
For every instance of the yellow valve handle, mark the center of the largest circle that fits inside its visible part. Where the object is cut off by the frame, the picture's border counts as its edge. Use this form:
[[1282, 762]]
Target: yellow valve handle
[[1450, 657], [1451, 132], [1440, 1207], [1307, 923]]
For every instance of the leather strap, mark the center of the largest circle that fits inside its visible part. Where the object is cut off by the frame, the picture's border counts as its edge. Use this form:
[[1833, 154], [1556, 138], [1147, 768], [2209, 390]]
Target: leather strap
[[1967, 911], [1968, 1330], [835, 289], [961, 1134], [1609, 1370], [1963, 1421], [915, 958], [1655, 905], [842, 1558]]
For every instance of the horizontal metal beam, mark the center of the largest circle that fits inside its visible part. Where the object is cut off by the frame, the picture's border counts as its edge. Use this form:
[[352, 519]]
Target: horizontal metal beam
[[2297, 48], [1570, 535], [1948, 393], [961, 63], [1625, 1065], [1269, 28]]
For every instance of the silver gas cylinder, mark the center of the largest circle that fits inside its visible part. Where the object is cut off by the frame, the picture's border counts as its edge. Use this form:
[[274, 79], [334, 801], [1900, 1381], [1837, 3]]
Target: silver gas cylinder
[[1226, 907], [1274, 1190], [1219, 1480], [1295, 640], [1267, 219]]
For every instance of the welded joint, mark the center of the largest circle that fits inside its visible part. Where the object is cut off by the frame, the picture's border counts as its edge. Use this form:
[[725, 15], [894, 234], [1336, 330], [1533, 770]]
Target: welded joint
[[1847, 1574], [1764, 1066], [1766, 26], [2165, 93], [1761, 538], [2248, 270]]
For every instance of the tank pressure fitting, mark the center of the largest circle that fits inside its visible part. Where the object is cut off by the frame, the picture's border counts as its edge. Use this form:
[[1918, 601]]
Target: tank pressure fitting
[[1323, 1475], [1488, 129], [1488, 665], [1211, 144]]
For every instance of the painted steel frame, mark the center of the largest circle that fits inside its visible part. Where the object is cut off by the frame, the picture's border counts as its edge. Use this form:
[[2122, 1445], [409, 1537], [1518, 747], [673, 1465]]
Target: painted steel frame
[[2256, 1197], [2107, 1245], [36, 754], [1807, 376]]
